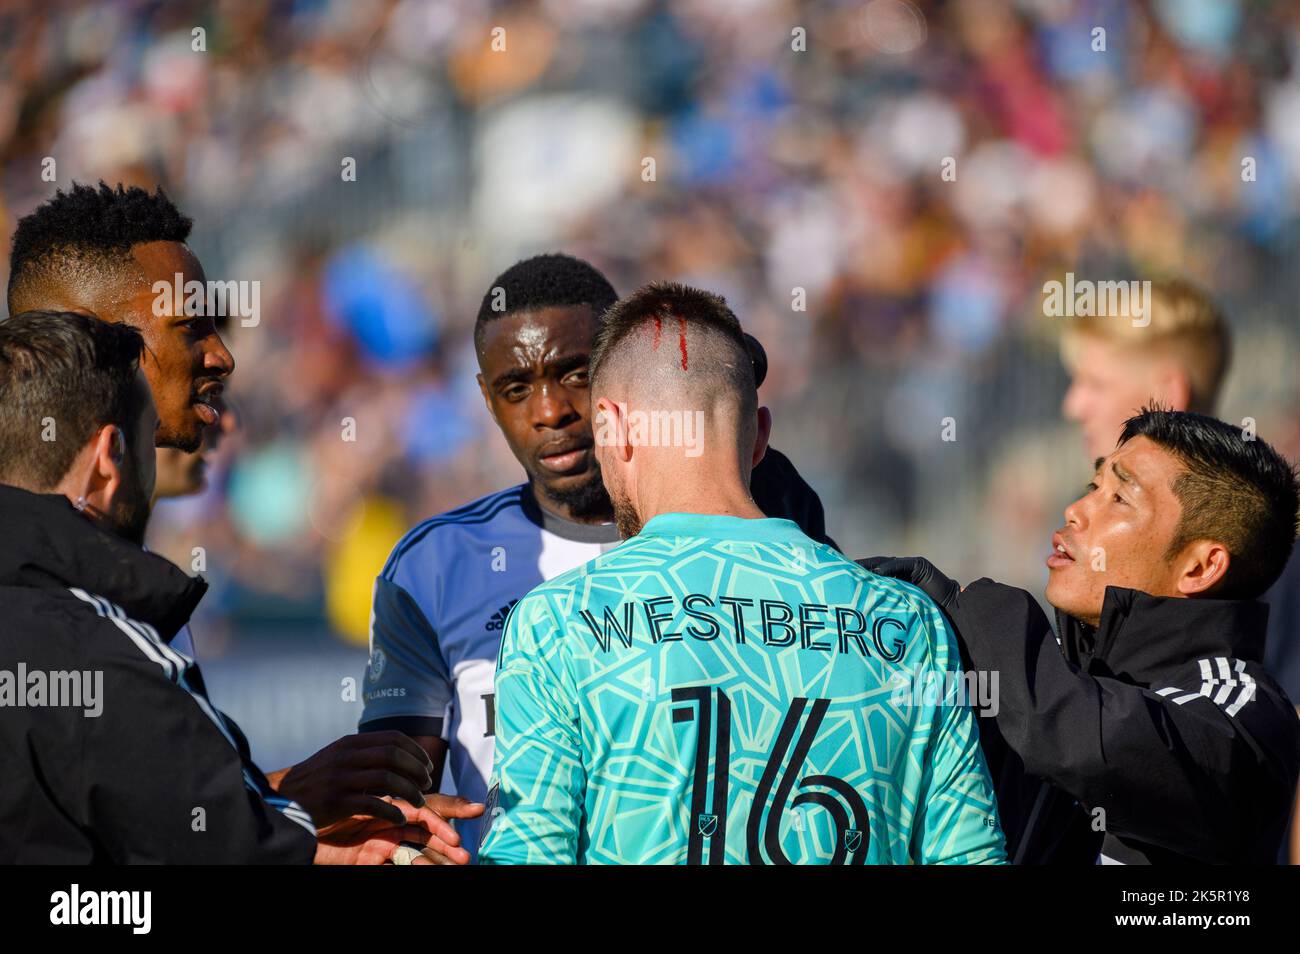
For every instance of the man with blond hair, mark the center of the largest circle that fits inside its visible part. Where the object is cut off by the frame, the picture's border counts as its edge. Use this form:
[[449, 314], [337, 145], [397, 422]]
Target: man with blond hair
[[1170, 347]]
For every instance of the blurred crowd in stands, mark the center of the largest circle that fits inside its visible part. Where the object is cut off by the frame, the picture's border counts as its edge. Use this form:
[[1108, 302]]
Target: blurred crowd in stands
[[879, 188]]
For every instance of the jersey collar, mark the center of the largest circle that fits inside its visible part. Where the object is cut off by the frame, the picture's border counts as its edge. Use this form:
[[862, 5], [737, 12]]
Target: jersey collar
[[723, 527]]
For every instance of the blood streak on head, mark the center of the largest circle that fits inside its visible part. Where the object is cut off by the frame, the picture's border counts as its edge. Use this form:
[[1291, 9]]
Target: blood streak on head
[[659, 330], [681, 331]]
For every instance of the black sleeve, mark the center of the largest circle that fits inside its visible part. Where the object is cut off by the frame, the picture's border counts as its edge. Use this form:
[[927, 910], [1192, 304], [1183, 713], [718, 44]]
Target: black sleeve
[[780, 491], [166, 778], [1187, 777]]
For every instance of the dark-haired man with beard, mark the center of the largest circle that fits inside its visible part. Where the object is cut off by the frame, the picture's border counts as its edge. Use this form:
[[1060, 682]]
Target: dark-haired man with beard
[[113, 775], [110, 750], [719, 688]]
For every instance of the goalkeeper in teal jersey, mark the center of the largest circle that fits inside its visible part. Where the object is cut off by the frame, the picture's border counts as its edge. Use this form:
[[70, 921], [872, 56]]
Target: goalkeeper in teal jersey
[[721, 689]]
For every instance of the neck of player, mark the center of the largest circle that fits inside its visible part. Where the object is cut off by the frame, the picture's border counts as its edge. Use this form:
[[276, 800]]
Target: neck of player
[[695, 487]]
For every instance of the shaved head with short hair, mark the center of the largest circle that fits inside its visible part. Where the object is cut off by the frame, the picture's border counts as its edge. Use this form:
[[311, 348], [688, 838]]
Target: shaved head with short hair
[[677, 403], [115, 253], [78, 244]]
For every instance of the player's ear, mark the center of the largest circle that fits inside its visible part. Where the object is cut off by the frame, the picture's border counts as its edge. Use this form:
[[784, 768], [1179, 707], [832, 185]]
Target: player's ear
[[610, 428], [482, 388], [1203, 565], [108, 460], [762, 434]]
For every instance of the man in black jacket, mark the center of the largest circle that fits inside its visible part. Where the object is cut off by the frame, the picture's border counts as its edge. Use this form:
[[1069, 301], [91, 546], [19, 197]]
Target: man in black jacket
[[110, 750], [106, 252], [1152, 733]]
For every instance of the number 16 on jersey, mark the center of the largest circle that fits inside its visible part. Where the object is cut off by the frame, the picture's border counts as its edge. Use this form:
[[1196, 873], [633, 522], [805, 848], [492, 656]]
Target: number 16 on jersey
[[710, 709]]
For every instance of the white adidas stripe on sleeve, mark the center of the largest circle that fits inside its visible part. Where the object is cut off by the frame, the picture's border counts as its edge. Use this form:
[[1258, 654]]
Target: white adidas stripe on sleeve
[[174, 665], [1224, 682]]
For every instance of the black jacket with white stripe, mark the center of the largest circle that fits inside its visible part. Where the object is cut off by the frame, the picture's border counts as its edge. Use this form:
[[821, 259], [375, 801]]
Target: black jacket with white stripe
[[143, 769], [1156, 737]]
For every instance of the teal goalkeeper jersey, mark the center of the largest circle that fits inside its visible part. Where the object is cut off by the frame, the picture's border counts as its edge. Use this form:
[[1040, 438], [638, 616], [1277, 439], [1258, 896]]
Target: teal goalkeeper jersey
[[718, 690]]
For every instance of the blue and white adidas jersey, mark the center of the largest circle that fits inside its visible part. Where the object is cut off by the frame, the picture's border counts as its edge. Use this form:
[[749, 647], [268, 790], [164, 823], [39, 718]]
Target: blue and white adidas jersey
[[437, 618]]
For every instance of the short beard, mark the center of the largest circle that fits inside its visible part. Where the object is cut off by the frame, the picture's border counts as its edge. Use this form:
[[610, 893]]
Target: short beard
[[165, 437], [626, 518], [587, 501], [130, 518], [131, 521]]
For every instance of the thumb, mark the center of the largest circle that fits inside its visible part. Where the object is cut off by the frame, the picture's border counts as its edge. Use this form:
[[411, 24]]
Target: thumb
[[876, 562], [902, 568], [453, 806]]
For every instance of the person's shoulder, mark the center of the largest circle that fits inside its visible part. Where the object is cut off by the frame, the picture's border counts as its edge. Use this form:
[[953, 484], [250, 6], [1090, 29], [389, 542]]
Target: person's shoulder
[[421, 541], [42, 619], [1248, 711], [907, 595], [1241, 688], [774, 462], [67, 627]]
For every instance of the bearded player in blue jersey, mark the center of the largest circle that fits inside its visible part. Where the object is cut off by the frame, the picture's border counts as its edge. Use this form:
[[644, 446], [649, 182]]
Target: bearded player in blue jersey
[[721, 688]]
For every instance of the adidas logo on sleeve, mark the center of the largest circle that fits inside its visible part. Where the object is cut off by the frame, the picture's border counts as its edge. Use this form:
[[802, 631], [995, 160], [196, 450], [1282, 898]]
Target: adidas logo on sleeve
[[497, 622]]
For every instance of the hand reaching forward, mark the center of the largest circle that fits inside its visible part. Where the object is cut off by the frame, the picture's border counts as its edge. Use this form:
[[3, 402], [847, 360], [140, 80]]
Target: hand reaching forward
[[366, 840], [919, 572], [352, 775]]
